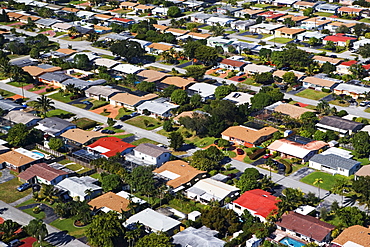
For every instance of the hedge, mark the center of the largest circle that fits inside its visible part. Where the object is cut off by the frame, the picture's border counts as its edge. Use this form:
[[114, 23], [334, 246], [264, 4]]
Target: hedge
[[85, 123], [256, 154]]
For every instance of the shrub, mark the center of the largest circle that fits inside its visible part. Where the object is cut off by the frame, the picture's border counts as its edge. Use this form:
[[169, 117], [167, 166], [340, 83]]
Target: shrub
[[325, 90], [257, 153], [85, 123], [288, 166]]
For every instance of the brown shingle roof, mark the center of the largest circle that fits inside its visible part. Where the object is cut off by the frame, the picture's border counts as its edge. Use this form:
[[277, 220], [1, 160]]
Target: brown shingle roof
[[280, 73], [81, 136], [357, 234], [144, 7], [306, 225], [66, 51], [338, 24], [177, 81], [41, 170], [103, 16], [181, 168], [319, 81], [160, 27], [158, 46], [247, 134], [176, 30], [111, 201], [349, 10], [14, 15], [363, 171], [15, 158], [295, 18], [288, 30], [327, 59], [292, 110], [152, 75], [200, 35], [233, 63], [131, 99], [73, 10], [36, 71], [128, 4], [304, 3], [33, 18]]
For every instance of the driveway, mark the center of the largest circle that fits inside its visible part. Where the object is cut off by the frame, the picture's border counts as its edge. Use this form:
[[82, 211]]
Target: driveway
[[260, 161], [181, 66], [50, 216], [328, 98], [301, 173], [6, 176]]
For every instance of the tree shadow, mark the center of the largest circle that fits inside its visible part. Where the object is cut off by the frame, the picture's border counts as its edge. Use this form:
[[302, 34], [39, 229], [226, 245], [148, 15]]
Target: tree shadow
[[59, 238]]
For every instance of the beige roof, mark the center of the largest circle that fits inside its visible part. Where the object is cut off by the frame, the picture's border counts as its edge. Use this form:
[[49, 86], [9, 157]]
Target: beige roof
[[103, 16], [62, 25], [176, 30], [152, 75], [363, 171], [338, 24], [66, 51], [105, 62], [349, 9], [187, 114], [288, 30], [81, 136], [160, 27], [177, 81], [292, 110], [97, 27], [318, 21], [162, 47], [327, 59], [141, 6], [131, 99], [304, 3], [111, 201], [314, 145], [33, 18], [357, 234], [200, 35], [280, 73], [15, 158], [253, 11], [36, 71], [14, 15], [181, 168], [295, 18], [128, 4], [71, 10], [248, 134], [319, 81]]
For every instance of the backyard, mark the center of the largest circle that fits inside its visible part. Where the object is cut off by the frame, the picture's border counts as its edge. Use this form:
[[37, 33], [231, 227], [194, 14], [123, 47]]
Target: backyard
[[145, 122], [328, 179], [312, 94]]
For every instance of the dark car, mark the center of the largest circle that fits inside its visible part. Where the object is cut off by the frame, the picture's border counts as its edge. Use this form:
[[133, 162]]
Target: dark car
[[117, 126], [117, 58], [215, 142], [18, 101], [239, 151], [333, 56], [15, 243], [125, 117], [134, 114], [23, 187], [108, 132]]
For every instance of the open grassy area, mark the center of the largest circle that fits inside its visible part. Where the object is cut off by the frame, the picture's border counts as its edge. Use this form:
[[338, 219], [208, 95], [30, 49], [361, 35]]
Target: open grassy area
[[59, 33], [60, 113], [67, 225], [185, 206], [364, 161], [366, 20], [85, 123], [256, 36], [122, 112], [36, 88], [6, 94], [82, 106], [17, 84], [339, 103], [261, 5], [96, 176], [328, 179], [143, 140], [280, 40], [29, 211], [122, 136], [78, 168], [63, 162], [204, 142], [115, 130], [326, 14], [312, 94], [107, 56], [145, 122], [206, 27], [98, 103], [8, 192], [61, 97]]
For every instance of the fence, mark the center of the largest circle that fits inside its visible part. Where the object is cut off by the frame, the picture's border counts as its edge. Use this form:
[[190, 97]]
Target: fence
[[347, 146], [48, 150]]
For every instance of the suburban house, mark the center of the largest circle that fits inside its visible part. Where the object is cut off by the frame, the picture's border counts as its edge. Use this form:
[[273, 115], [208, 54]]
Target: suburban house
[[122, 21], [290, 110], [19, 159], [332, 27], [296, 18], [317, 23], [363, 172], [227, 9], [349, 11], [25, 18], [160, 28], [231, 64], [343, 67], [280, 73], [251, 12], [205, 90], [242, 25], [339, 39], [322, 60], [46, 23], [304, 5], [251, 69], [108, 63], [351, 90], [359, 43], [127, 68], [128, 5], [176, 31], [200, 237], [189, 114], [153, 221], [149, 154], [62, 27], [78, 137], [179, 174], [264, 28], [42, 173], [157, 108], [310, 34], [26, 118], [305, 227], [83, 188], [54, 126], [81, 84], [319, 83], [330, 8], [177, 81], [208, 190], [36, 71], [152, 75], [212, 21], [54, 78], [130, 101], [9, 105], [247, 136], [338, 124], [158, 48], [353, 236], [13, 16], [239, 98], [271, 15], [258, 202], [334, 164], [101, 92], [297, 146], [109, 147], [290, 33], [200, 17], [195, 36]]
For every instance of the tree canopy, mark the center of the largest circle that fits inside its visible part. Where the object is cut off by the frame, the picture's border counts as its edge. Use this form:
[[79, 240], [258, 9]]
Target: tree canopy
[[141, 180], [179, 97], [130, 50], [155, 239]]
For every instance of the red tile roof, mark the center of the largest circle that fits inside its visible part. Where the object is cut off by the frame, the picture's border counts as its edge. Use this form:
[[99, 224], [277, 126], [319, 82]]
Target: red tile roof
[[339, 37], [349, 63], [122, 19], [41, 170], [259, 201], [367, 66], [232, 62], [271, 14], [113, 144]]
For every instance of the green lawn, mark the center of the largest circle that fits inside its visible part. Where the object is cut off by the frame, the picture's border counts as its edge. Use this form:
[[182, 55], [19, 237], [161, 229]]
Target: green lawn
[[82, 106], [206, 27], [364, 161], [107, 56], [185, 206], [366, 20], [63, 162], [115, 130], [29, 211], [61, 97], [339, 103], [17, 84], [143, 140], [59, 33], [152, 123], [60, 113], [204, 142], [122, 112], [122, 136], [255, 36], [98, 103], [324, 14], [96, 176], [312, 94], [230, 154], [9, 193], [261, 5], [67, 225], [280, 40], [328, 179], [36, 88], [85, 123], [6, 94]]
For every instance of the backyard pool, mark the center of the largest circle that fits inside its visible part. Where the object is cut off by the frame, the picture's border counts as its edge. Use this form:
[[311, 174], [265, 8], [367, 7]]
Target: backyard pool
[[38, 153], [291, 242]]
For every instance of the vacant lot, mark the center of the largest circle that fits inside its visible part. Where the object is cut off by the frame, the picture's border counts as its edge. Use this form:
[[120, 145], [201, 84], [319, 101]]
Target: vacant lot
[[145, 122], [9, 193], [328, 179], [312, 94]]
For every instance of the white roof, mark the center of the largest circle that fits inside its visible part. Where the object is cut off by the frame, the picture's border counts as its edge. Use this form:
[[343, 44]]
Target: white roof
[[257, 68], [157, 107], [28, 153], [352, 244], [352, 88], [293, 150], [309, 34], [105, 62], [285, 1], [338, 151], [239, 98], [361, 42], [220, 19], [154, 220], [169, 174], [204, 89], [127, 196], [266, 26], [90, 55], [83, 13], [77, 186], [305, 209], [213, 189], [127, 68]]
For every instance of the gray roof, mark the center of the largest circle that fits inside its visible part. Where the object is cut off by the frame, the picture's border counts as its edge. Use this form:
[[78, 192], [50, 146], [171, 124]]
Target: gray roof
[[102, 90], [23, 62], [334, 161], [157, 107], [54, 124], [83, 30], [352, 88], [21, 117], [116, 36], [83, 84], [55, 76], [340, 123], [326, 6], [46, 22], [202, 237], [78, 185], [151, 149], [8, 105]]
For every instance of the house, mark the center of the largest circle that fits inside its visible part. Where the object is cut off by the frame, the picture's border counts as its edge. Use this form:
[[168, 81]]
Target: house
[[144, 44], [130, 101], [359, 43], [54, 126], [79, 137], [317, 23], [296, 18], [157, 108], [329, 8], [332, 27], [281, 73], [305, 227], [363, 172], [239, 98], [304, 5], [110, 146], [25, 18], [54, 78], [208, 190], [66, 51], [76, 187], [201, 237], [298, 147], [122, 21], [339, 39], [334, 164], [353, 236], [19, 159], [36, 71], [176, 31], [225, 10], [200, 17], [152, 75], [259, 203], [46, 23], [42, 173], [205, 90], [26, 118], [102, 29], [70, 10], [13, 16], [179, 174], [143, 8], [252, 13], [117, 37], [82, 84], [247, 136], [322, 60], [343, 67], [61, 27], [231, 64], [154, 221], [319, 83], [85, 14], [263, 28], [189, 114], [252, 69], [157, 48], [177, 81], [349, 11], [242, 25], [8, 105], [271, 15], [338, 152], [108, 63], [290, 33], [351, 90], [338, 124], [195, 36], [84, 30], [310, 34], [284, 3], [102, 17], [223, 21], [101, 92], [128, 5], [160, 28], [220, 41], [151, 154], [290, 110]]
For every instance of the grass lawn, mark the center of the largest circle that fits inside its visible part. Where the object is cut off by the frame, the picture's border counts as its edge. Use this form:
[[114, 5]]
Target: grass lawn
[[312, 107], [59, 33], [328, 179], [152, 123], [364, 161], [60, 113], [61, 97], [204, 142], [107, 56], [8, 192], [85, 123], [185, 206], [82, 106], [115, 130], [143, 140], [6, 94], [122, 112], [324, 14], [206, 27], [14, 56], [98, 103], [312, 94], [122, 136], [96, 176], [280, 40], [261, 5], [63, 162], [36, 88], [367, 110], [366, 20], [339, 103], [230, 154], [29, 211], [67, 225], [78, 168], [17, 84], [75, 39]]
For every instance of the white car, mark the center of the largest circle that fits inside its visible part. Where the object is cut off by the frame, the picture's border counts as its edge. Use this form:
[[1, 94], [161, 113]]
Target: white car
[[97, 128]]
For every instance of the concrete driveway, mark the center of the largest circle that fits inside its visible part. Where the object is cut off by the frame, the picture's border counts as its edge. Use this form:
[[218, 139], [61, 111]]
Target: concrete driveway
[[6, 176], [301, 173]]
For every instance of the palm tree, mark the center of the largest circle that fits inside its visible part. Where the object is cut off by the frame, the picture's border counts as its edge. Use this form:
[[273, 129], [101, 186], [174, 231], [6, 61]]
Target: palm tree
[[318, 181], [92, 37], [48, 193], [8, 228], [270, 164], [339, 185], [44, 104], [73, 31], [217, 30], [37, 229]]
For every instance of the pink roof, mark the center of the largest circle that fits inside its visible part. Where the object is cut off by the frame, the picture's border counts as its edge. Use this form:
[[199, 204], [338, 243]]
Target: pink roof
[[314, 145], [349, 63], [301, 104], [113, 144], [271, 14], [339, 37], [259, 201], [121, 19], [232, 62]]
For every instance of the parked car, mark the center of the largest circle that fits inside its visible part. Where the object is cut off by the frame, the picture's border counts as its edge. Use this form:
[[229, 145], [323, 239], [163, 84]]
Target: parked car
[[23, 187], [107, 132], [86, 102], [97, 128], [125, 117], [266, 156], [240, 73], [296, 87], [364, 103], [239, 151], [134, 114], [15, 243], [118, 126]]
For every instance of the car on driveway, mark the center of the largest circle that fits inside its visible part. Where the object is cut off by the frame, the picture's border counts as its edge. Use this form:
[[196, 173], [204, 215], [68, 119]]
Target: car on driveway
[[97, 128], [108, 132], [125, 117], [117, 126], [239, 151], [364, 103], [86, 102], [266, 156], [24, 187], [134, 114]]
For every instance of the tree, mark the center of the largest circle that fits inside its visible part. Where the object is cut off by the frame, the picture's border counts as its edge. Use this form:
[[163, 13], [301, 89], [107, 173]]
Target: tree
[[198, 122], [359, 186], [34, 53], [290, 200], [289, 22], [110, 182], [207, 160], [350, 216], [43, 104], [195, 71], [340, 184], [167, 125], [179, 97], [266, 96], [358, 71], [146, 86], [141, 180], [342, 29], [155, 239], [8, 229], [111, 122], [217, 30], [317, 182], [308, 117], [17, 135], [223, 220], [248, 180], [323, 107], [361, 143], [290, 78], [364, 50], [206, 54], [55, 143], [176, 140], [92, 37], [330, 45], [327, 68], [313, 41], [190, 47], [81, 61], [308, 12], [130, 50], [48, 193], [222, 91], [174, 11], [222, 143], [105, 230], [37, 229], [319, 135]]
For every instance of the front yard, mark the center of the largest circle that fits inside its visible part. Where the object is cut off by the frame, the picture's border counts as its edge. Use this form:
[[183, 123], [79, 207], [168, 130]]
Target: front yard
[[328, 179], [65, 98], [145, 122], [280, 40], [60, 113], [143, 140], [122, 112], [312, 94], [9, 193]]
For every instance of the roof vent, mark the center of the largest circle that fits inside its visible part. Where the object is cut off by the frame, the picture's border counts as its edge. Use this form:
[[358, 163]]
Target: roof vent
[[264, 195]]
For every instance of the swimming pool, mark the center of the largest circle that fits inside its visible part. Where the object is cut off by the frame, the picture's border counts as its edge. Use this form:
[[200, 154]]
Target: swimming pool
[[38, 153], [291, 242]]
